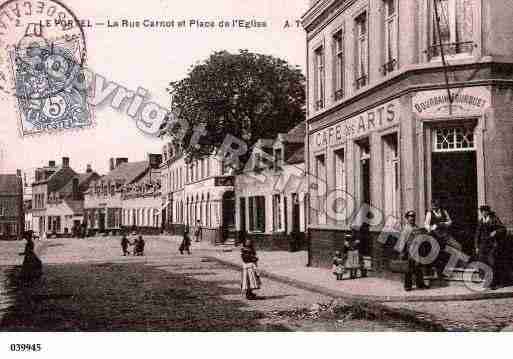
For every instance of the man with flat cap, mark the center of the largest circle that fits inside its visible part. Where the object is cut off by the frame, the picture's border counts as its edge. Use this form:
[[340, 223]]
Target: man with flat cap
[[488, 242]]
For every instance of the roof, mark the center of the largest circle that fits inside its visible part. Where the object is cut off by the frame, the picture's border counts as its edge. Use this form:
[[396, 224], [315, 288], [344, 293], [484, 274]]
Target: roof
[[83, 182], [297, 157], [126, 172], [76, 206], [297, 134], [10, 184]]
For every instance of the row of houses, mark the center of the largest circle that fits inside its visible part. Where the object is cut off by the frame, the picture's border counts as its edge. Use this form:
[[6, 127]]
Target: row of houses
[[166, 193]]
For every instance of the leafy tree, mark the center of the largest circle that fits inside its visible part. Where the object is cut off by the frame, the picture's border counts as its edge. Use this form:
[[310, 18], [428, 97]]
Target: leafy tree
[[246, 95]]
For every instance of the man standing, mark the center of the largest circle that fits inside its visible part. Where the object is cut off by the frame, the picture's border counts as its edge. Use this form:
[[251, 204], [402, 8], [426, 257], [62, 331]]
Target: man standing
[[124, 245], [408, 234], [488, 241]]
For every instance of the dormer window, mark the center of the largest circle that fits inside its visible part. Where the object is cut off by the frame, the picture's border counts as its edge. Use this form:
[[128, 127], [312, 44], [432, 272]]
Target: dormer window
[[278, 158]]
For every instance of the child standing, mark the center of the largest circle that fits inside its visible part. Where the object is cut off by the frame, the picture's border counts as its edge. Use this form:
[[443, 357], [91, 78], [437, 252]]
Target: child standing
[[352, 255], [338, 265]]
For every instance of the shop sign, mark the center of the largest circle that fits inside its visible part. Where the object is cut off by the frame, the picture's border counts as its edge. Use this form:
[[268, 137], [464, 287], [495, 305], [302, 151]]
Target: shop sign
[[465, 101], [376, 119]]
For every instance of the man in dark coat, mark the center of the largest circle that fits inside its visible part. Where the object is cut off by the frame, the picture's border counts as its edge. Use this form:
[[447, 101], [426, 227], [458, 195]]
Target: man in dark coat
[[415, 268], [488, 241], [124, 245]]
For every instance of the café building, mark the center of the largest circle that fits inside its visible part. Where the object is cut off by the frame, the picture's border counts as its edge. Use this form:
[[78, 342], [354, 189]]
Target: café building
[[394, 121]]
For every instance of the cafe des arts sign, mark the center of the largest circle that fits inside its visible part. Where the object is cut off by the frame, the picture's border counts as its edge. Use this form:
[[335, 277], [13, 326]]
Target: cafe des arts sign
[[466, 101]]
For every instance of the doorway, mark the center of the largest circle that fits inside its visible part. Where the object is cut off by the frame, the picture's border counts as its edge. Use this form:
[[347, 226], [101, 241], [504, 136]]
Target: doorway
[[454, 182], [228, 224]]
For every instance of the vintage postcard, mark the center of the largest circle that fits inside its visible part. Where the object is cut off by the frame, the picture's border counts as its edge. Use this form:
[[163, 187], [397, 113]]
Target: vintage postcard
[[272, 166]]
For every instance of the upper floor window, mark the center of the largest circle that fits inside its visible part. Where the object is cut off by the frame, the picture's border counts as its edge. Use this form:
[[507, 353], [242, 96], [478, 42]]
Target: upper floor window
[[390, 43], [362, 58], [319, 78], [338, 65], [453, 29]]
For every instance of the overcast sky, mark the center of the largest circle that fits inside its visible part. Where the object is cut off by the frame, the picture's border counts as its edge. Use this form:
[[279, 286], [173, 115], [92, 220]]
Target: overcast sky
[[150, 59]]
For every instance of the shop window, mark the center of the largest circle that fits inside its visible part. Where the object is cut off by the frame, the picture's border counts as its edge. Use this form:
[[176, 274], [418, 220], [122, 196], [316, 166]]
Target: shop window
[[320, 188], [277, 213], [338, 65], [362, 59], [257, 214], [453, 139], [390, 43], [364, 172], [391, 176], [453, 31], [340, 170], [319, 78]]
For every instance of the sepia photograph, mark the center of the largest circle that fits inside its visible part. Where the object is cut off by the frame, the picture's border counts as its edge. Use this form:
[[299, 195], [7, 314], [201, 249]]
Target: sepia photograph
[[233, 166]]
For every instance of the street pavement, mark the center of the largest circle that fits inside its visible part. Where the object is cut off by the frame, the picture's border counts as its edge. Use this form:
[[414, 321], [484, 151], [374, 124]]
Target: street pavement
[[88, 285]]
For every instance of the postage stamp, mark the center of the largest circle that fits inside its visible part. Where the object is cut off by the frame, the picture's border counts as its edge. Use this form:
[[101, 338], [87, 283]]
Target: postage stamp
[[45, 49]]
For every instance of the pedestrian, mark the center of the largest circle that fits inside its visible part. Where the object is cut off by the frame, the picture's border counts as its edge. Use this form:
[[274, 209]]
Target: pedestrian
[[490, 234], [352, 254], [338, 265], [124, 244], [414, 268], [139, 246], [250, 279], [437, 224], [32, 267], [197, 231], [186, 242]]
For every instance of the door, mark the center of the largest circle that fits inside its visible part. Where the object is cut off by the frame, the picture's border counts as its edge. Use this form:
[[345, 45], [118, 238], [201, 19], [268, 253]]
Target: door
[[454, 182], [228, 224]]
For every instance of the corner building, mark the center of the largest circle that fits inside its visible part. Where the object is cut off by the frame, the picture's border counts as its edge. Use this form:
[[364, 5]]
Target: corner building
[[382, 127]]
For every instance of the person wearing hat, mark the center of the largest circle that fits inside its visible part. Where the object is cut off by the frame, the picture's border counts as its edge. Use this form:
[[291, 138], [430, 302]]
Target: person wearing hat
[[415, 269], [489, 236]]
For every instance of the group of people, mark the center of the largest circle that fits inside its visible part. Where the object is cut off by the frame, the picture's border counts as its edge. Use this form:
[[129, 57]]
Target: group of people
[[138, 243], [488, 240], [349, 259], [185, 246]]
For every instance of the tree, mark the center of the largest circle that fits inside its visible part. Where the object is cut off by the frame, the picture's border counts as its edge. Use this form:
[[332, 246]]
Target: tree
[[246, 95]]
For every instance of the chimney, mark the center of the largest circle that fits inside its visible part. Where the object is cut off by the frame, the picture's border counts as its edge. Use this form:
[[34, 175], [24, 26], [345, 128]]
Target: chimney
[[51, 163], [120, 160], [75, 189], [89, 169], [111, 164], [65, 162], [154, 159]]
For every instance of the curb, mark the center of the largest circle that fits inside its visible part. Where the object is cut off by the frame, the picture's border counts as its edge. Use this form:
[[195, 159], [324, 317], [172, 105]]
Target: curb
[[368, 298]]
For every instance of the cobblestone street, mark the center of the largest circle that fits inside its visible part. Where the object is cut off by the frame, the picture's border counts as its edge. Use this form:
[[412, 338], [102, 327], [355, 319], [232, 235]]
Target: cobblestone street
[[88, 286]]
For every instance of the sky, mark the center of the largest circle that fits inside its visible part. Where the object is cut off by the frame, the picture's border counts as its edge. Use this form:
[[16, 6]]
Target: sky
[[148, 58]]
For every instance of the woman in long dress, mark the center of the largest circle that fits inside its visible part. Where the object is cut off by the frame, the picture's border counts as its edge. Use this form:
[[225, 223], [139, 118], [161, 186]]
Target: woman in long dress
[[250, 279], [32, 267]]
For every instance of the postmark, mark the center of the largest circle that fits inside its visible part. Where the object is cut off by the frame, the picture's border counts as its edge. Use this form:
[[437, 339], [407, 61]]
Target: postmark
[[42, 61]]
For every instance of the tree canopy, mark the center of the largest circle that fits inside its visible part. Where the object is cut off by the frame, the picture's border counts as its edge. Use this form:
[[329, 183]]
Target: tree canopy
[[246, 95]]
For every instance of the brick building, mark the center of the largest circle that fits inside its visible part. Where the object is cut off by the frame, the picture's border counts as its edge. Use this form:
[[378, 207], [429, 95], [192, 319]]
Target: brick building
[[11, 206], [405, 106]]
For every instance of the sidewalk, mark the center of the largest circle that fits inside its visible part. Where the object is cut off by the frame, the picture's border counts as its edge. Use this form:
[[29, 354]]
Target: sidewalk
[[290, 268]]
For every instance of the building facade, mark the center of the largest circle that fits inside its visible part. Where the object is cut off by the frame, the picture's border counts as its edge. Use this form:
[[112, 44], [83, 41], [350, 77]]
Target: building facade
[[11, 206], [271, 193], [141, 201], [200, 190], [58, 199], [405, 106], [104, 199]]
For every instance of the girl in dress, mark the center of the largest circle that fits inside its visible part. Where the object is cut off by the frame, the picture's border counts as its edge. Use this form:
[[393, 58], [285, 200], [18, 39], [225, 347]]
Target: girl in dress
[[250, 279], [338, 265], [352, 255]]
